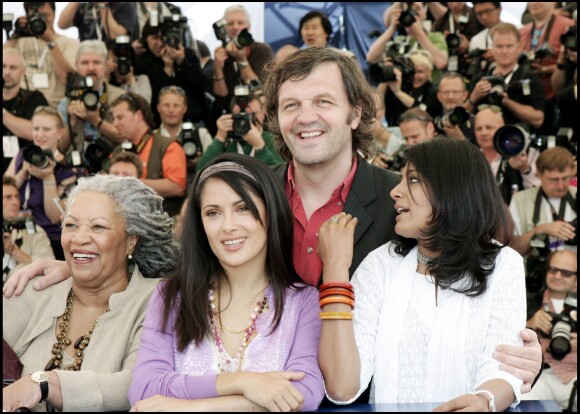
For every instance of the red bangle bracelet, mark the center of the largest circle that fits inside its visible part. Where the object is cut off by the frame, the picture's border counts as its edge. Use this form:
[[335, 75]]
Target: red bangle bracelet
[[337, 299], [340, 292], [344, 285]]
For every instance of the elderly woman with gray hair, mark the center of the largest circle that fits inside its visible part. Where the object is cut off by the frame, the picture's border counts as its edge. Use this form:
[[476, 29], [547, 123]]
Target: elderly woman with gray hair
[[78, 338]]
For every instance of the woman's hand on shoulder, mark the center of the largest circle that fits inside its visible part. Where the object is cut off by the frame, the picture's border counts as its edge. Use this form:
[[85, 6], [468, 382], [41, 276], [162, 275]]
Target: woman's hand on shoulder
[[274, 390], [54, 271]]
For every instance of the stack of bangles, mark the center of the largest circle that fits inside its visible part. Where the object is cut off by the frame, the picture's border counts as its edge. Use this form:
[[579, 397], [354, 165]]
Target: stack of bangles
[[336, 292]]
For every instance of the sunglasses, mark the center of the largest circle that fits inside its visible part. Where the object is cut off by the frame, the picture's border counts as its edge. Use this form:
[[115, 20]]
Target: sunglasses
[[493, 108], [565, 273], [172, 88]]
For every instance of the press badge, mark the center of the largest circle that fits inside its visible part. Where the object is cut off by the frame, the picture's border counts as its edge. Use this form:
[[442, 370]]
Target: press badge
[[40, 80], [453, 63], [10, 146], [526, 87]]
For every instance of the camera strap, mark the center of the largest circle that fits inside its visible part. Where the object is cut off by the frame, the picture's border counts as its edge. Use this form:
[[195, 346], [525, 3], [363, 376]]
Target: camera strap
[[41, 57], [144, 141], [98, 28], [567, 199], [544, 35]]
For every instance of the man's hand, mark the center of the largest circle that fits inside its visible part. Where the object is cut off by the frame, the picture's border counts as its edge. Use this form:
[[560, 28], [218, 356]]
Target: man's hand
[[381, 160], [481, 89], [78, 109], [220, 57], [138, 47], [559, 229], [453, 131], [225, 123], [520, 162], [254, 137], [542, 321], [395, 85], [235, 53], [46, 173], [176, 55], [522, 362], [54, 271]]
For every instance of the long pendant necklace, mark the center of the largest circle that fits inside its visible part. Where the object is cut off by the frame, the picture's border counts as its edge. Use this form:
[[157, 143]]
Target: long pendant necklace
[[80, 344], [225, 362]]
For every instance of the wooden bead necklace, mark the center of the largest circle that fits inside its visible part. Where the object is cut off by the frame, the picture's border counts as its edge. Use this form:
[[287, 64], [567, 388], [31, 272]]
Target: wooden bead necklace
[[80, 344]]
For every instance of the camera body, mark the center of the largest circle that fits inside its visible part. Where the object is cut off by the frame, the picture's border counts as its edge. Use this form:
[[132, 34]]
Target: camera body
[[407, 17], [242, 121], [562, 326], [173, 30], [35, 26], [123, 52], [544, 51], [498, 87], [570, 39], [81, 88], [458, 116], [190, 140], [380, 72], [34, 155], [243, 39], [19, 223]]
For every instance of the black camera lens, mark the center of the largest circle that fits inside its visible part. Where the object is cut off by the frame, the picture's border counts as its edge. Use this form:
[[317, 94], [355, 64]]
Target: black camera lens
[[243, 39], [453, 41], [380, 73], [407, 18], [510, 140], [190, 140], [36, 156], [123, 66], [242, 124], [36, 24], [91, 100], [96, 154], [458, 116]]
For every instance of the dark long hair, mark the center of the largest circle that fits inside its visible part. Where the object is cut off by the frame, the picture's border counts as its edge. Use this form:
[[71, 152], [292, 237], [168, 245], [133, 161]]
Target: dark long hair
[[468, 213], [198, 267]]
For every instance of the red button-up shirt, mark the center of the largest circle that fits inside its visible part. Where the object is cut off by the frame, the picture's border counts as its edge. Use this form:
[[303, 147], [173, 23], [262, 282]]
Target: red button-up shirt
[[305, 256]]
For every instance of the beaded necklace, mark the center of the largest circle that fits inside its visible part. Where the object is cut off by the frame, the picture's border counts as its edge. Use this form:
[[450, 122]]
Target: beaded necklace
[[80, 344], [225, 362]]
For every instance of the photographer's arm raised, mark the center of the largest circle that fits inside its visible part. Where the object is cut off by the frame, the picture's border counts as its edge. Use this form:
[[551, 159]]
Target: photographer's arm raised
[[110, 25]]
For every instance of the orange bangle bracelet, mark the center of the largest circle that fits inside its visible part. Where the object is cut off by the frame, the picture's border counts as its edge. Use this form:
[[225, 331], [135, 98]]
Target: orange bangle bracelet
[[336, 315], [344, 285], [340, 292], [337, 299]]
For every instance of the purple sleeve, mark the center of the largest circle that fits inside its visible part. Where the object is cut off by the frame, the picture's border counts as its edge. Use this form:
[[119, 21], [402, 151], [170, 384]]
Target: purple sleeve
[[154, 371], [304, 354]]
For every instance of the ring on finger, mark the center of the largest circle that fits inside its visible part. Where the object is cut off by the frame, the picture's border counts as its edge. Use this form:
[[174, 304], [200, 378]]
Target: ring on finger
[[336, 219]]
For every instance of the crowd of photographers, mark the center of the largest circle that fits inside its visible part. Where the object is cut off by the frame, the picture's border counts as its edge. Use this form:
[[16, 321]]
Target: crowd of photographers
[[138, 95]]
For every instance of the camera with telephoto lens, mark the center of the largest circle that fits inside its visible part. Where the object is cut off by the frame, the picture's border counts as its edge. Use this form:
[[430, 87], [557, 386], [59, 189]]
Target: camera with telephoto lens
[[81, 88], [379, 73], [19, 223], [190, 140], [458, 116], [563, 325], [510, 140], [569, 39], [35, 26], [123, 51], [34, 155], [173, 29], [96, 154], [242, 121], [243, 39]]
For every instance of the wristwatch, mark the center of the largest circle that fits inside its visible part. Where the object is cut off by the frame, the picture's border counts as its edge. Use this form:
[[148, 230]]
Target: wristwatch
[[243, 64], [491, 402], [41, 378], [51, 45]]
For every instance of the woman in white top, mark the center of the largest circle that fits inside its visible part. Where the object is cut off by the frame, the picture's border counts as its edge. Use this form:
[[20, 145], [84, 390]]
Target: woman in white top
[[433, 304]]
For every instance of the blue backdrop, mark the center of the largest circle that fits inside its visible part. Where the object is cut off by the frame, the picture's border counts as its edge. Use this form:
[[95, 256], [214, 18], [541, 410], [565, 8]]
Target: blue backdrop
[[351, 24]]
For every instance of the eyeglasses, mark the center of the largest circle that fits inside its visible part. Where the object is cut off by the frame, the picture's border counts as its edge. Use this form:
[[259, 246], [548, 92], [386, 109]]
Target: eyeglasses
[[565, 273], [172, 88], [493, 108]]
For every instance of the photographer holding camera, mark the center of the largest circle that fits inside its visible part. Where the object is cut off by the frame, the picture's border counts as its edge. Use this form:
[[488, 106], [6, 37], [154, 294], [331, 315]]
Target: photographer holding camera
[[507, 84], [40, 175], [84, 109], [99, 20], [550, 314], [47, 56], [512, 173], [540, 40], [18, 106], [545, 216], [460, 21], [453, 120], [23, 240], [242, 131], [566, 64], [167, 61]]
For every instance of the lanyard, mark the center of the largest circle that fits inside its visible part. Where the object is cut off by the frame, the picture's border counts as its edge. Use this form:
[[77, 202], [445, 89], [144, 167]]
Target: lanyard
[[26, 194], [43, 56], [97, 26], [545, 34], [241, 150]]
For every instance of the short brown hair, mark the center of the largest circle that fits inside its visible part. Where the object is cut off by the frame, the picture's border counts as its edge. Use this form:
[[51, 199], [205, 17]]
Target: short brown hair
[[555, 158], [505, 28], [136, 103], [129, 157], [9, 180], [298, 66]]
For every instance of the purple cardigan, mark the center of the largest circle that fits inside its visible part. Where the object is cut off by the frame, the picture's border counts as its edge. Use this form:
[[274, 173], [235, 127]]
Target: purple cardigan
[[191, 374]]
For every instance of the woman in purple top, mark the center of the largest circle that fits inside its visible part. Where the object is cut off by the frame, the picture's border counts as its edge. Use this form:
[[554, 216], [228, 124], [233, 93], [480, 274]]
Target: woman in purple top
[[40, 184], [234, 329]]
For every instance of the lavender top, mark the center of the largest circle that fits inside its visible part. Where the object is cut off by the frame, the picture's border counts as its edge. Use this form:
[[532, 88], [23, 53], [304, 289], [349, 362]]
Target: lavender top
[[191, 374]]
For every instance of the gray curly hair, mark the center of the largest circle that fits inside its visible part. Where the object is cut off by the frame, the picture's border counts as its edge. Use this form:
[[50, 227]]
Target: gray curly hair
[[156, 251]]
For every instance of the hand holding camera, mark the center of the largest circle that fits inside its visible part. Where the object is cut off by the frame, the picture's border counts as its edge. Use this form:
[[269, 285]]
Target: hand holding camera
[[542, 321]]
